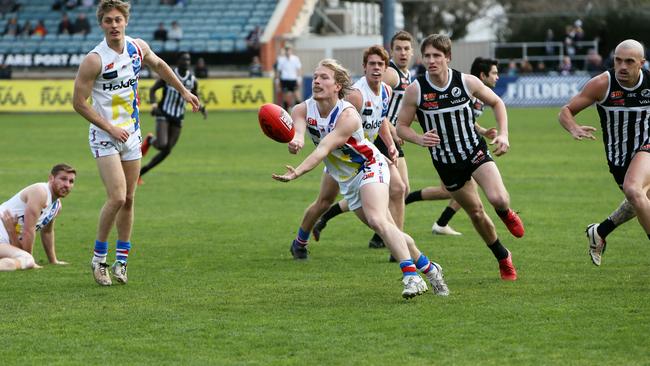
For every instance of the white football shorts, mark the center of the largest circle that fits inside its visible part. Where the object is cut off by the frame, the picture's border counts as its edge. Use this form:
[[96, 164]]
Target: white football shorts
[[103, 144], [378, 172]]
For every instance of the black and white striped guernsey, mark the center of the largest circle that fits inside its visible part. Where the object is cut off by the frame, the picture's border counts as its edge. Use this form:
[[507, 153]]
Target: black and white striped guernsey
[[624, 115], [398, 93], [448, 110], [172, 103]]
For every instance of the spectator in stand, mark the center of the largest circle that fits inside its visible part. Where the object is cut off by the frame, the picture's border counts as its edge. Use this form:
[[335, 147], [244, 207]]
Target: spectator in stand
[[176, 32], [255, 68], [569, 41], [40, 29], [566, 67], [8, 6], [87, 3], [5, 71], [550, 38], [12, 28], [71, 4], [578, 33], [594, 62], [253, 40], [65, 25], [161, 33], [81, 24], [525, 68], [541, 68], [512, 68], [26, 30], [200, 69]]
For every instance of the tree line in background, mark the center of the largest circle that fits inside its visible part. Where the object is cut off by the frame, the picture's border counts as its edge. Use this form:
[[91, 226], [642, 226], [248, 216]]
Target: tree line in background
[[529, 20]]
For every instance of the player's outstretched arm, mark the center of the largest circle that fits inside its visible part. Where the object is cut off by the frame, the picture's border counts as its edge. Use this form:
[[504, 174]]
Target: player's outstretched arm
[[167, 74], [592, 92], [346, 125]]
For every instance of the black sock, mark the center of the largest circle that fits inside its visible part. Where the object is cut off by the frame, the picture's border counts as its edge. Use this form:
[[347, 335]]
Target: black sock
[[501, 213], [446, 215], [413, 197], [332, 212], [499, 251], [648, 236], [605, 227]]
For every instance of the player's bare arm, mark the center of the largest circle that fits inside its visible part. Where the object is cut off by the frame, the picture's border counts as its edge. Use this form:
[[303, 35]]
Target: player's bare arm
[[47, 238], [166, 73], [406, 117], [592, 92], [35, 198], [202, 109], [10, 221], [485, 94], [386, 136], [345, 127], [299, 116], [391, 77], [83, 85]]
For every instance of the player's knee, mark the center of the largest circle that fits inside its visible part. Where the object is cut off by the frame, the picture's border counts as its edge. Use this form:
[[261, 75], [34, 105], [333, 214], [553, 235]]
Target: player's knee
[[24, 260], [377, 223], [398, 191], [633, 192], [476, 213], [499, 201], [117, 200]]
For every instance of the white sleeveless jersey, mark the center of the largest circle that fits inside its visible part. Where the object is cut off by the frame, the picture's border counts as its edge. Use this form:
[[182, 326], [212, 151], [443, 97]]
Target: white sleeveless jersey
[[16, 207], [374, 108], [348, 160], [115, 92]]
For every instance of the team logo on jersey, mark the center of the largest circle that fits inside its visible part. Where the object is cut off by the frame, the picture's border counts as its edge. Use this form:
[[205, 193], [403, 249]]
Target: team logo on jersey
[[645, 93], [404, 83], [368, 104], [366, 112], [617, 94], [109, 66], [455, 92], [136, 61], [429, 96], [311, 121]]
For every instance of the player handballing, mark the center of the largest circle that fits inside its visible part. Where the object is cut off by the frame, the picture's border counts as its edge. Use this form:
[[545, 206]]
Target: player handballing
[[358, 167]]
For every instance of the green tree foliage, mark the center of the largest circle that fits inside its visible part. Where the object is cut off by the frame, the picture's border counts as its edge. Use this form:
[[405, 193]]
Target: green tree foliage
[[609, 21], [450, 17]]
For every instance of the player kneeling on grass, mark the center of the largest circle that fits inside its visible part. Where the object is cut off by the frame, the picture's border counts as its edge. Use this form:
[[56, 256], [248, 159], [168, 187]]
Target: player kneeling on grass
[[358, 167], [28, 211]]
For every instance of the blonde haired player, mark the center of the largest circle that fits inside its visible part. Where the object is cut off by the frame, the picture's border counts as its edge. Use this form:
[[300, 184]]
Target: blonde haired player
[[355, 163], [110, 73]]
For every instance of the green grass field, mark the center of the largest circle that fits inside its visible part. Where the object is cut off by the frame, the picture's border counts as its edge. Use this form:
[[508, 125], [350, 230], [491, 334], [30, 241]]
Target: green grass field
[[212, 281]]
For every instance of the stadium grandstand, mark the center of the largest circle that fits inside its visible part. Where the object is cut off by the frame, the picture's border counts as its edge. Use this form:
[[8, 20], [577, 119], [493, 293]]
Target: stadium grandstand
[[213, 29]]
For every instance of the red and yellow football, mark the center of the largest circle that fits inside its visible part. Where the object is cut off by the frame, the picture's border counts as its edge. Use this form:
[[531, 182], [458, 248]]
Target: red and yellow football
[[276, 123]]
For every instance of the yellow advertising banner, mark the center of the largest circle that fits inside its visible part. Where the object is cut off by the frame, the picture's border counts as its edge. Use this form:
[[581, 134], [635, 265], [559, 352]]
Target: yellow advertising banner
[[56, 95]]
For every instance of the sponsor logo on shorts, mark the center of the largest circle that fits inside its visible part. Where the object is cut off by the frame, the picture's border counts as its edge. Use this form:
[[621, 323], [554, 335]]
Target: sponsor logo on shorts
[[479, 157], [368, 175]]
